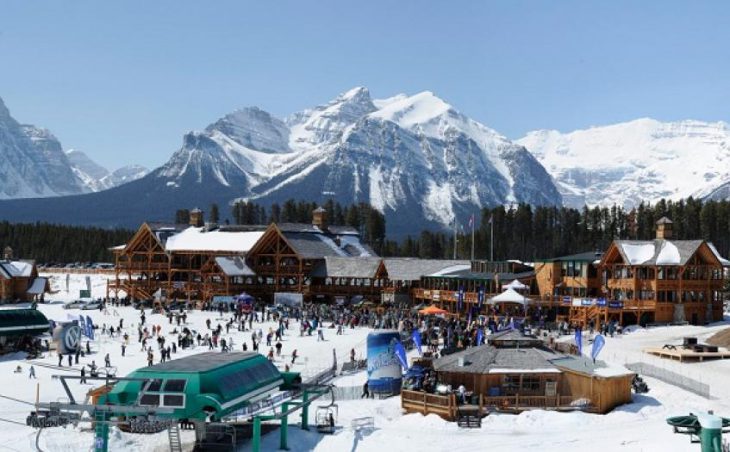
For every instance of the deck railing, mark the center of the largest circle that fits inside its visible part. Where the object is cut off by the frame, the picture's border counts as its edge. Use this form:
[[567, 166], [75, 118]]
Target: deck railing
[[447, 407]]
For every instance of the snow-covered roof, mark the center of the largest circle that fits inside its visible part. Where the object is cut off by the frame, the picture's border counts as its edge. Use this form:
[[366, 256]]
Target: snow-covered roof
[[16, 269], [234, 266], [38, 287], [659, 251], [198, 239], [722, 260]]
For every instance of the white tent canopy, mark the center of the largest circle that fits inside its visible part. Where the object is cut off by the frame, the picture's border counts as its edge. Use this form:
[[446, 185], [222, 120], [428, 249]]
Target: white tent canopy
[[516, 285], [510, 296]]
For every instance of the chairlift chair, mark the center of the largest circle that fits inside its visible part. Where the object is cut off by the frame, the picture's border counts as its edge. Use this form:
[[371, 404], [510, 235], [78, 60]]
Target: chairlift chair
[[326, 418]]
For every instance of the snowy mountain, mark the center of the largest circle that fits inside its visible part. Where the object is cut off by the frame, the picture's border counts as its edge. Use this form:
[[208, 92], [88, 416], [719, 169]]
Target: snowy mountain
[[641, 160], [32, 162], [96, 178], [415, 158]]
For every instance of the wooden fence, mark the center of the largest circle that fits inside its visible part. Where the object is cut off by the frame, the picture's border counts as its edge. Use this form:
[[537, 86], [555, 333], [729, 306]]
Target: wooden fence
[[447, 407]]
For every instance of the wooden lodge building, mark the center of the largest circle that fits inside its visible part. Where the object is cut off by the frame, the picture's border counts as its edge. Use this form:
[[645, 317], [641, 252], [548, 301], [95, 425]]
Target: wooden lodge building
[[651, 281], [513, 373], [19, 280], [661, 280]]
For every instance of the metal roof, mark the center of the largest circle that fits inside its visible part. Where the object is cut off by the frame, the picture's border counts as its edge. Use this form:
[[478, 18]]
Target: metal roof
[[234, 266], [202, 362], [346, 267], [317, 245], [588, 256], [468, 274], [412, 269], [22, 321]]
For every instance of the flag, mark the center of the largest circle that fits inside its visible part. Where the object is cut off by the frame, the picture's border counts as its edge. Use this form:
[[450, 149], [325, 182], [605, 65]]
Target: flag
[[90, 328], [417, 340], [471, 221], [512, 323], [480, 296], [460, 299], [480, 336], [598, 344], [468, 320], [400, 352], [579, 340], [490, 220]]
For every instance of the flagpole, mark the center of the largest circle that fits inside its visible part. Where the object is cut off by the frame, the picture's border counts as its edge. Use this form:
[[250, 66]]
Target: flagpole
[[472, 236], [491, 239], [455, 239]]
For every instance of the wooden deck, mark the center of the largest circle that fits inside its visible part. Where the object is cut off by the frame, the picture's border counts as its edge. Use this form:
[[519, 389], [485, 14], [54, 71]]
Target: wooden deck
[[682, 355]]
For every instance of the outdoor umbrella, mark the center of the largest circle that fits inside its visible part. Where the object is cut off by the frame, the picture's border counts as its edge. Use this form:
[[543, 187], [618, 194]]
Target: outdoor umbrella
[[433, 310]]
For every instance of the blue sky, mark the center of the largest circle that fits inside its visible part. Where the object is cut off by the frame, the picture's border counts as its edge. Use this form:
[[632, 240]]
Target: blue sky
[[123, 81]]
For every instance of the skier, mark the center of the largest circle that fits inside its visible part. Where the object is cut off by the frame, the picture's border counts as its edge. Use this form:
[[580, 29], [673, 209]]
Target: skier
[[365, 391], [83, 375], [32, 372]]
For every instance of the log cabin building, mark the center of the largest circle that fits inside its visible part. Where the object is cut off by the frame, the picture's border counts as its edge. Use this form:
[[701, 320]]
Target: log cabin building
[[19, 280], [514, 373], [637, 281], [199, 261]]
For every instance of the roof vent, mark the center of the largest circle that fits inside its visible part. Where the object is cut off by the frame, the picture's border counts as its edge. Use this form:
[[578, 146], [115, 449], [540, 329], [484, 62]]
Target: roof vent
[[664, 228]]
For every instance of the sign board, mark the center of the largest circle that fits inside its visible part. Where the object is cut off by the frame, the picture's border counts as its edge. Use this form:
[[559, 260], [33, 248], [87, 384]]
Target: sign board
[[84, 293], [221, 299], [551, 388], [436, 295], [567, 300], [291, 299]]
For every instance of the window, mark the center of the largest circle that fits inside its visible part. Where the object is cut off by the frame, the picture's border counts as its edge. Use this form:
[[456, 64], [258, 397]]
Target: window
[[175, 385], [174, 400], [511, 384], [530, 383], [149, 399], [153, 385]]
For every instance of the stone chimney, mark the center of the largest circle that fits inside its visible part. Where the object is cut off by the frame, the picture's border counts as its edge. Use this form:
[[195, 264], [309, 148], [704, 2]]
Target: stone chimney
[[319, 218], [664, 228], [8, 253], [196, 218]]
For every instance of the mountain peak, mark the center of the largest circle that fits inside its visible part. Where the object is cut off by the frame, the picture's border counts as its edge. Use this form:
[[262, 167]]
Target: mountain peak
[[255, 129], [408, 111]]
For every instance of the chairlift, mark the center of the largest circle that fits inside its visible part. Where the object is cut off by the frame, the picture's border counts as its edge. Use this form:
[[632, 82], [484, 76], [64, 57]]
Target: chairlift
[[326, 418]]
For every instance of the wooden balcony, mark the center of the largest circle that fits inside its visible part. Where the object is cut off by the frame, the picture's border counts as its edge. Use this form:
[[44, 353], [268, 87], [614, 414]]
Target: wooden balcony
[[446, 406]]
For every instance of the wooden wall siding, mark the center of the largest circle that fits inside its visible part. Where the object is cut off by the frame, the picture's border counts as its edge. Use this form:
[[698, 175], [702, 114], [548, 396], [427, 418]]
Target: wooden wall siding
[[604, 393]]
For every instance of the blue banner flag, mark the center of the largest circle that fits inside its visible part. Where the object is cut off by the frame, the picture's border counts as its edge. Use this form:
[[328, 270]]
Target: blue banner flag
[[579, 340], [480, 296], [417, 340], [598, 344], [400, 352], [89, 328], [460, 299], [480, 336]]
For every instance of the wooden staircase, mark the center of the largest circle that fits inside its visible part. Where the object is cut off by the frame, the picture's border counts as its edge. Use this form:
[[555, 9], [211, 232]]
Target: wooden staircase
[[469, 419], [582, 315]]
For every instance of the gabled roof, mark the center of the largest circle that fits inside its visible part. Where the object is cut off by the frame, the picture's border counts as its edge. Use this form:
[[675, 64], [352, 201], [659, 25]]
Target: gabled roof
[[234, 266], [486, 359], [657, 252], [346, 267], [200, 239], [412, 269], [317, 245], [16, 269]]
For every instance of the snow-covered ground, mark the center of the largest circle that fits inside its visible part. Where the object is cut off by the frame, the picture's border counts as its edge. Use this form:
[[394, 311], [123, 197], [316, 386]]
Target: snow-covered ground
[[639, 426]]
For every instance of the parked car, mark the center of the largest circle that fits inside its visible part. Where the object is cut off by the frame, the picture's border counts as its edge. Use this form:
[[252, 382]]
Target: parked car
[[76, 304], [95, 304]]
